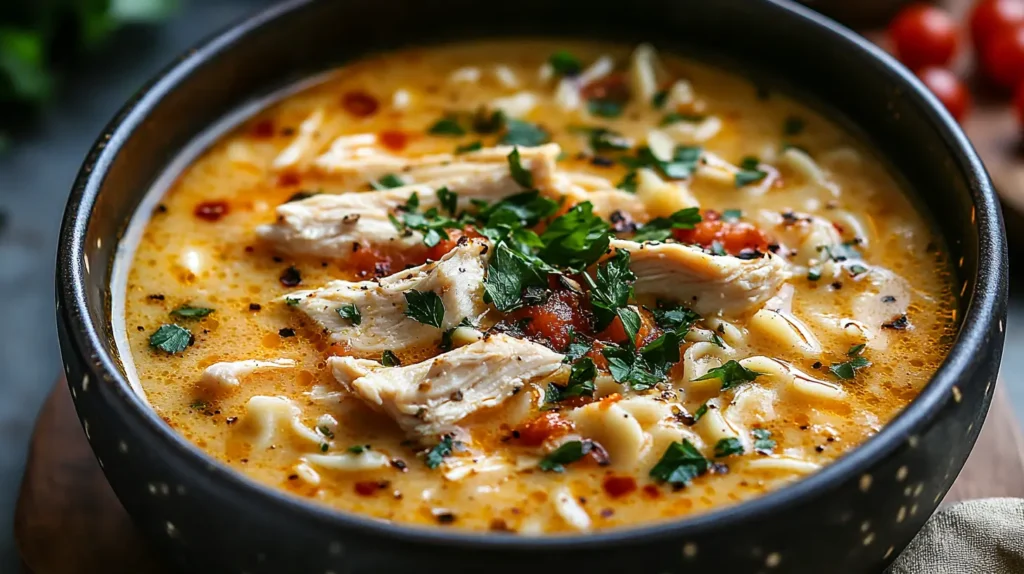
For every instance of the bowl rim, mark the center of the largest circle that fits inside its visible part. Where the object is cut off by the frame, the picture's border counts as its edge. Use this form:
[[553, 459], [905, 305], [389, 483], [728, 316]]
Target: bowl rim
[[984, 303]]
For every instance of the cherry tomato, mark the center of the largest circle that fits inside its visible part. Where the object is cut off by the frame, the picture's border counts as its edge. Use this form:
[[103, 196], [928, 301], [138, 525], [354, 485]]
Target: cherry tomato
[[1003, 59], [990, 17], [948, 88], [923, 35]]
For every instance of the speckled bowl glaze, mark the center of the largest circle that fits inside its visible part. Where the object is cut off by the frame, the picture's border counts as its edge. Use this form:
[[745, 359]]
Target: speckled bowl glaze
[[855, 515]]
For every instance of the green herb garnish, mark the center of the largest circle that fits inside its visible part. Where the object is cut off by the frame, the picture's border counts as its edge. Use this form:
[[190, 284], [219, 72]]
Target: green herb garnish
[[350, 312], [568, 453], [171, 338], [731, 374], [425, 307], [680, 464]]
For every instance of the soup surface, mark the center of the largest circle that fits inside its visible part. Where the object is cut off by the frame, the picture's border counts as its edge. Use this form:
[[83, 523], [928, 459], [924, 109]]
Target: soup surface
[[534, 287]]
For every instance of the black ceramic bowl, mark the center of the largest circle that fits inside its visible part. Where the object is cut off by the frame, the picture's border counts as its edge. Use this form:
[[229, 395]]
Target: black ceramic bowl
[[855, 515]]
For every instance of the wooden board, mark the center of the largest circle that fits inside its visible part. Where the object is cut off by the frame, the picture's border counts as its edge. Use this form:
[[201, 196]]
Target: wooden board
[[69, 522]]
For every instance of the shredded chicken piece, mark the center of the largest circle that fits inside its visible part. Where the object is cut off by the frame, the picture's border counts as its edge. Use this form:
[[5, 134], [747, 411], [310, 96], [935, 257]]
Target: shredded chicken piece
[[229, 374], [427, 398], [383, 325], [710, 284]]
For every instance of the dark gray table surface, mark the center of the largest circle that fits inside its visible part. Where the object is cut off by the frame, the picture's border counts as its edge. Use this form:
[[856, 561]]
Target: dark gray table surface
[[35, 176]]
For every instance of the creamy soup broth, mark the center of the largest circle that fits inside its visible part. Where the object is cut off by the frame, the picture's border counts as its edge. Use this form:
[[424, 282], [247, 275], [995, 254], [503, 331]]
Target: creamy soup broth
[[860, 321]]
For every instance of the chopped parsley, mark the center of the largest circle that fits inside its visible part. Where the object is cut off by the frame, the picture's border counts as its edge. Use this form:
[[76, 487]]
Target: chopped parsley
[[436, 455], [680, 464], [171, 338], [731, 374], [521, 175], [430, 223], [189, 312], [524, 209], [350, 312], [660, 228], [474, 146], [449, 200], [488, 122], [749, 172], [732, 215], [676, 117], [605, 108], [387, 181], [576, 348], [568, 453], [659, 98], [389, 359], [857, 269], [682, 165], [507, 275], [677, 319], [580, 384], [611, 291], [628, 183], [728, 447], [847, 370], [326, 431], [763, 442], [425, 307], [604, 139], [575, 240], [701, 411], [646, 368], [358, 448], [447, 126], [855, 350], [291, 301], [565, 64], [447, 343], [518, 132], [840, 252]]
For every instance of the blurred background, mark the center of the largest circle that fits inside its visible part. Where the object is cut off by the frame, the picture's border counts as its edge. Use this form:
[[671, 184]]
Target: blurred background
[[66, 66]]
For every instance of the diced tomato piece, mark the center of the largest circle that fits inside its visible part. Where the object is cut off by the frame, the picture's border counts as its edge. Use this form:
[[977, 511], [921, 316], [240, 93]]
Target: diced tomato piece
[[359, 103], [564, 312], [394, 140], [546, 426], [612, 87], [733, 236], [212, 210], [263, 129]]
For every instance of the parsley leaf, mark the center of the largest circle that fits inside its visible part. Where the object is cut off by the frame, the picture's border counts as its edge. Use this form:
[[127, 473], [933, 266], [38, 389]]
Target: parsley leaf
[[629, 368], [449, 200], [350, 312], [855, 350], [425, 307], [387, 181], [430, 223], [604, 139], [389, 359], [524, 209], [628, 183], [569, 452], [660, 228], [677, 319], [612, 288], [605, 108], [682, 165], [171, 338], [680, 464], [447, 126], [749, 172], [521, 175], [580, 384], [662, 353], [763, 442], [189, 312], [474, 146], [447, 342], [507, 275], [732, 215], [731, 374], [728, 447], [358, 448], [840, 252], [676, 117], [565, 64], [849, 369], [576, 348], [437, 454], [575, 240], [518, 132]]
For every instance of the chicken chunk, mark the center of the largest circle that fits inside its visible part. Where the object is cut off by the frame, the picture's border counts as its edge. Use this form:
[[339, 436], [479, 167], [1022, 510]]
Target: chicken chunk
[[329, 225], [381, 305], [709, 284], [428, 398]]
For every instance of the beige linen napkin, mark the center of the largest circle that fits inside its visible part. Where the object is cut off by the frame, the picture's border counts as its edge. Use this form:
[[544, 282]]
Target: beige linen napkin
[[977, 536]]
